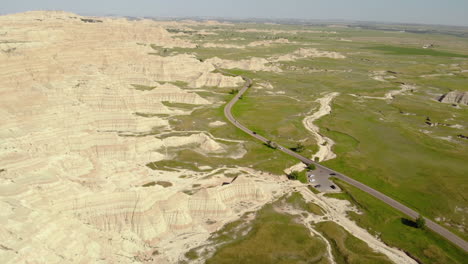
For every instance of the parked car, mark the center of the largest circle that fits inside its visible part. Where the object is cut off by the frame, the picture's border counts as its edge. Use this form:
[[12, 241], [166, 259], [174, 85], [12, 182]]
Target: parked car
[[332, 174], [333, 187], [317, 186]]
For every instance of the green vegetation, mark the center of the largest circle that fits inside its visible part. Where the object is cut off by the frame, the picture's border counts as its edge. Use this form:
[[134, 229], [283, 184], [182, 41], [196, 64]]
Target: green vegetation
[[383, 144], [312, 189], [294, 175], [303, 176], [271, 144], [395, 50], [258, 156], [298, 176], [149, 184], [161, 51], [178, 105], [164, 184], [298, 148], [234, 91], [171, 165], [298, 201], [441, 167], [143, 87], [346, 248], [381, 219], [267, 242], [191, 255], [148, 114], [420, 222]]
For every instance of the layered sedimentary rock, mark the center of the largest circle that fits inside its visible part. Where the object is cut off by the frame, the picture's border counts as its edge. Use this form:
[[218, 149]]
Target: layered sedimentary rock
[[454, 97], [271, 64], [82, 104], [252, 64]]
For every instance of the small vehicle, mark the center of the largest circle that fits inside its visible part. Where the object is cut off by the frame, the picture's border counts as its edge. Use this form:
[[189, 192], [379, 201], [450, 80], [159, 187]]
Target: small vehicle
[[332, 174], [317, 186], [333, 187], [255, 133]]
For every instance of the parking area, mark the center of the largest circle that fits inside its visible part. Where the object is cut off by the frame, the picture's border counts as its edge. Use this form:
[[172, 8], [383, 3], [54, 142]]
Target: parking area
[[319, 178]]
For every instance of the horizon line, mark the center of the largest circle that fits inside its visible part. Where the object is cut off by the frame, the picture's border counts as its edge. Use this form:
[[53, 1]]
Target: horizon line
[[239, 18]]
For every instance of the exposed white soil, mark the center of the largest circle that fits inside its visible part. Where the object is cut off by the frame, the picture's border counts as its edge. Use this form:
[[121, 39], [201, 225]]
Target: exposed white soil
[[259, 43], [436, 75], [325, 144], [308, 53], [274, 31], [217, 123], [223, 45], [335, 210], [268, 42], [272, 63], [252, 64], [391, 94], [381, 76], [262, 85], [76, 138]]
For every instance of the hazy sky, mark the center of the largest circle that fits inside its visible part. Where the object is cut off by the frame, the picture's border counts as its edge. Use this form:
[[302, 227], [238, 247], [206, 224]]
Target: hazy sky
[[451, 12]]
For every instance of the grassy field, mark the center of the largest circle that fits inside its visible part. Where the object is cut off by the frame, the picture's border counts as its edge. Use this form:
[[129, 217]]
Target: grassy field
[[395, 50], [385, 149], [296, 200], [346, 248], [380, 143], [258, 155], [267, 242], [263, 240], [384, 144], [388, 223]]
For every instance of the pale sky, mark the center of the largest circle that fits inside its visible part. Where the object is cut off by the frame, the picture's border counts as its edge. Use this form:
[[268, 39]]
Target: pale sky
[[448, 12]]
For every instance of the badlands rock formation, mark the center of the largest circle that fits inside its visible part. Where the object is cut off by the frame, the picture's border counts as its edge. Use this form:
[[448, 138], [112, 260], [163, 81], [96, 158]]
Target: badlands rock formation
[[252, 64], [454, 97], [252, 44], [271, 64], [309, 53], [75, 136], [84, 117]]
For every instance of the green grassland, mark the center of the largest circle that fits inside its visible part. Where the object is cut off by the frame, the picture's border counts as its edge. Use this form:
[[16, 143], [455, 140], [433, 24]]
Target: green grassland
[[379, 143], [382, 220], [267, 242], [296, 200], [346, 248], [258, 155], [384, 144], [393, 50], [263, 239]]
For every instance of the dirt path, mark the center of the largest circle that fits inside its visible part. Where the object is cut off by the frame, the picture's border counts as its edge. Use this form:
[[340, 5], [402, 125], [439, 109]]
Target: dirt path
[[325, 144]]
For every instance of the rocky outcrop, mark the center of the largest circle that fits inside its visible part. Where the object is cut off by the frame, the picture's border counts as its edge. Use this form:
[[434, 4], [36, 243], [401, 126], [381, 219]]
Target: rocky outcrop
[[252, 64], [76, 135], [271, 63], [454, 97]]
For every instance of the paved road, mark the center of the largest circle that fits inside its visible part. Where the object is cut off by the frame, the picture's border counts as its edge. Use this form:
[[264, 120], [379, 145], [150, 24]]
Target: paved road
[[384, 198]]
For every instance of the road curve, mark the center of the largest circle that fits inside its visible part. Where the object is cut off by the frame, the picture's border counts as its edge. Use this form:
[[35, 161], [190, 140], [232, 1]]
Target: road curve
[[384, 198]]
